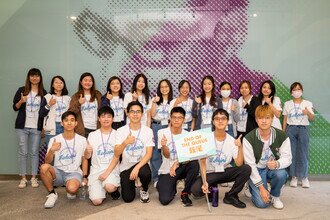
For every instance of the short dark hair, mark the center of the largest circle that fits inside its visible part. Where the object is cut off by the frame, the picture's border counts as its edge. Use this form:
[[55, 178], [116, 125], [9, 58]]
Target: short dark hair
[[105, 110], [178, 109], [221, 112], [67, 113], [129, 106], [183, 82], [295, 84], [64, 90]]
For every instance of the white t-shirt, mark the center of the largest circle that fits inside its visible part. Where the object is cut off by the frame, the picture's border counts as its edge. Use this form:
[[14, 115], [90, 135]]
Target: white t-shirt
[[167, 162], [61, 106], [103, 151], [68, 158], [243, 115], [129, 98], [277, 104], [162, 113], [133, 153], [89, 113], [227, 106], [117, 105], [266, 154], [226, 151], [33, 103], [206, 112], [187, 106], [294, 112]]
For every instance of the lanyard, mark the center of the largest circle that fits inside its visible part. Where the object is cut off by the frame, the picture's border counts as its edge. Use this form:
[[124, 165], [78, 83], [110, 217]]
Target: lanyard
[[136, 137], [223, 144], [60, 107], [163, 112], [107, 142], [116, 104], [73, 147], [296, 109], [32, 101]]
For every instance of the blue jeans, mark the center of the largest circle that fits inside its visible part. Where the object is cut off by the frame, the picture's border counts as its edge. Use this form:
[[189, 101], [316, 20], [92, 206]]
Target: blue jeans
[[299, 138], [277, 179], [59, 130], [28, 142], [156, 159]]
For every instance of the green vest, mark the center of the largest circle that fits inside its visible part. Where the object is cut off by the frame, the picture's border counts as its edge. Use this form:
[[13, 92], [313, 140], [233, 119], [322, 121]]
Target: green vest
[[257, 144]]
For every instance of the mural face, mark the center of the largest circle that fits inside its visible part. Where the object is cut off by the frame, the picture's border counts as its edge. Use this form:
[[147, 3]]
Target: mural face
[[187, 42]]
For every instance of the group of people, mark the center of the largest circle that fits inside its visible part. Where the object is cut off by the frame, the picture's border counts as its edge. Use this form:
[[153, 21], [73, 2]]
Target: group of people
[[126, 141]]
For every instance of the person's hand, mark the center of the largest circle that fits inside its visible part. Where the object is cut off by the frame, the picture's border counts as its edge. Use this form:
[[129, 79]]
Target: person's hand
[[264, 194], [268, 100], [130, 139], [52, 101], [173, 169], [23, 98], [89, 149], [135, 96], [205, 187], [305, 111], [156, 98], [238, 142], [233, 108], [134, 174], [198, 99], [271, 163], [103, 176], [55, 146], [109, 96], [163, 142], [84, 181], [81, 99]]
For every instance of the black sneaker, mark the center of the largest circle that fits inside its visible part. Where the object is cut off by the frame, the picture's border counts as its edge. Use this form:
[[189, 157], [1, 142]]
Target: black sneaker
[[115, 195], [185, 199], [233, 200]]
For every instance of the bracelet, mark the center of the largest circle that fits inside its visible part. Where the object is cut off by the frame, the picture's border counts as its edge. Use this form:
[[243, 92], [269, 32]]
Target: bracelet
[[47, 106]]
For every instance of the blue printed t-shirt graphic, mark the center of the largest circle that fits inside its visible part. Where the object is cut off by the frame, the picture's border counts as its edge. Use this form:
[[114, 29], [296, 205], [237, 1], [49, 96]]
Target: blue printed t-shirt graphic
[[220, 158], [173, 152], [162, 111], [118, 106], [142, 101], [60, 108], [105, 152], [207, 111], [296, 113], [67, 156], [135, 150], [187, 108], [243, 114], [227, 108], [33, 103], [266, 154], [88, 108]]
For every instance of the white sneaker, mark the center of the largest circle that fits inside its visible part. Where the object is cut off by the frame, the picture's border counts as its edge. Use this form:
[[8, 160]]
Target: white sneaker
[[71, 196], [155, 183], [22, 183], [34, 182], [144, 196], [305, 183], [247, 192], [277, 203], [50, 202], [224, 184], [294, 182]]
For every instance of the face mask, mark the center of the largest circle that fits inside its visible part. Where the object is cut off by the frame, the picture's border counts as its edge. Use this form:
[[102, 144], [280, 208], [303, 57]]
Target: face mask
[[297, 94], [225, 93]]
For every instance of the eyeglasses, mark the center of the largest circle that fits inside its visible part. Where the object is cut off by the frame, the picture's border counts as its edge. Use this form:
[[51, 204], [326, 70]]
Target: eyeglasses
[[177, 118], [135, 111], [220, 118]]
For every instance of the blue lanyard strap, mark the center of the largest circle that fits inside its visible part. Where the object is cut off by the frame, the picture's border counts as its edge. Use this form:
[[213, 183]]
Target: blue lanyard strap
[[107, 142]]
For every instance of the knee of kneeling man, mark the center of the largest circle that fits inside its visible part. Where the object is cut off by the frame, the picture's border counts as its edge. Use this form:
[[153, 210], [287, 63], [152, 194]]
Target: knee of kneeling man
[[97, 202], [165, 201], [261, 204]]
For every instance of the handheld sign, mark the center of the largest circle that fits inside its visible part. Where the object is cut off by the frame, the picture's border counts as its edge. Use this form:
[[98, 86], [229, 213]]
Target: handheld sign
[[195, 145]]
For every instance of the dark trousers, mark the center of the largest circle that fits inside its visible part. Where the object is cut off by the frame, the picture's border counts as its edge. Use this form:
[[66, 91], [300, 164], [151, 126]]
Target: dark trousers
[[240, 175], [166, 185], [128, 186]]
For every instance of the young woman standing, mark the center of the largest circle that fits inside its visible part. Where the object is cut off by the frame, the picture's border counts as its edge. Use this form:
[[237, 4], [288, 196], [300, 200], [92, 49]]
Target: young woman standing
[[297, 115], [160, 117], [30, 103], [115, 99], [140, 92], [231, 106]]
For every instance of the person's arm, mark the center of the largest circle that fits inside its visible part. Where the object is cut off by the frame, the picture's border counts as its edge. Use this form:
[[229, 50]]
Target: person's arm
[[53, 146], [235, 110], [239, 161], [148, 119], [162, 141], [286, 157], [74, 104], [19, 99], [130, 139], [205, 185], [309, 112], [153, 107], [104, 100], [284, 124], [145, 160]]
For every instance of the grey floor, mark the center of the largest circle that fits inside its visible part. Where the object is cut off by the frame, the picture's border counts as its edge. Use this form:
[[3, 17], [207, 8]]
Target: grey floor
[[313, 203]]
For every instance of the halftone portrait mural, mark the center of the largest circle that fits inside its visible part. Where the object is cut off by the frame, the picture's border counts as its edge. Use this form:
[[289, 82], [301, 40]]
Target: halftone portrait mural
[[180, 40]]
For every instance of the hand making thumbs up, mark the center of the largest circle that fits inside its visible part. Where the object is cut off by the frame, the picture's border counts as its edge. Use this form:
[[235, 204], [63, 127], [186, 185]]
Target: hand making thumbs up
[[81, 99], [55, 146], [109, 95]]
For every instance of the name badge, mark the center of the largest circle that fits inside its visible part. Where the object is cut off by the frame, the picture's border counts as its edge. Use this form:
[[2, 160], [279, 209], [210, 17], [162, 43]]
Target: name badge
[[219, 169]]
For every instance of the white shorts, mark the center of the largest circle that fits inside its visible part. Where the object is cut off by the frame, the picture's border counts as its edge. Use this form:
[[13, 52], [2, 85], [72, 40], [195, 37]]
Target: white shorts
[[96, 187]]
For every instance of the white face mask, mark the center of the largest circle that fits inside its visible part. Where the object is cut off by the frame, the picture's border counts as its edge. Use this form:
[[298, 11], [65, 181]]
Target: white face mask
[[296, 94], [225, 93]]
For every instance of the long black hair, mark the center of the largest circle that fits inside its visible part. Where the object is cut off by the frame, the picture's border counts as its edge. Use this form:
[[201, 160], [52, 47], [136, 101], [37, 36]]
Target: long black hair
[[121, 94], [145, 90], [170, 94], [272, 88], [64, 90], [203, 95]]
